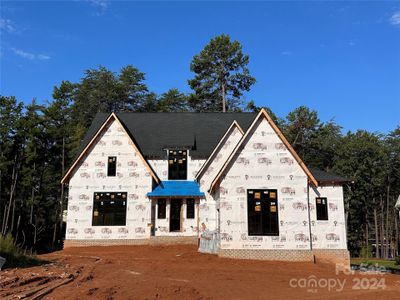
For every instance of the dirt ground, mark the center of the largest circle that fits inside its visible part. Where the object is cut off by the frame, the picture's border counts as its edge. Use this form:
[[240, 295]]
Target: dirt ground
[[180, 272]]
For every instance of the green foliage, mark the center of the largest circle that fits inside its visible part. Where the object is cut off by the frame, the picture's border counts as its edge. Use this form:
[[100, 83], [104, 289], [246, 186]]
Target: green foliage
[[366, 252], [14, 256], [371, 160], [221, 75], [7, 244], [10, 114], [316, 142], [101, 90], [361, 157], [302, 124], [397, 260], [173, 101], [375, 264]]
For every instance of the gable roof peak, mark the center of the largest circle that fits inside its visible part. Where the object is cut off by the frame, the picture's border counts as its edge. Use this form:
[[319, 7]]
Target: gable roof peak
[[214, 152], [263, 113], [112, 117]]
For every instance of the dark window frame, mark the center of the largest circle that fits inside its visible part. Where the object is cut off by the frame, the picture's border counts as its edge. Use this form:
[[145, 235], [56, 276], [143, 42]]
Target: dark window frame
[[112, 166], [190, 208], [102, 204], [161, 213], [262, 213], [177, 164], [321, 208]]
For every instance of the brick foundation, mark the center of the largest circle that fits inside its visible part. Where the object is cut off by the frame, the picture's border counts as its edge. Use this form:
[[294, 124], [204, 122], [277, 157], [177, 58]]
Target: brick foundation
[[321, 255], [154, 240], [339, 256], [111, 242], [169, 240], [267, 254]]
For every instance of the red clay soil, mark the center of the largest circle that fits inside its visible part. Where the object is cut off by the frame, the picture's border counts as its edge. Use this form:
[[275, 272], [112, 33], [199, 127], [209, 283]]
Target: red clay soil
[[180, 272]]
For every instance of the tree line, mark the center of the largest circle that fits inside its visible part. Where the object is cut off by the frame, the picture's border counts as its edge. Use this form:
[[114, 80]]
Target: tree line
[[39, 141]]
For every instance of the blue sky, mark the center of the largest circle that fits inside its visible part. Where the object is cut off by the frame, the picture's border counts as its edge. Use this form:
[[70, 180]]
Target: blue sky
[[339, 58]]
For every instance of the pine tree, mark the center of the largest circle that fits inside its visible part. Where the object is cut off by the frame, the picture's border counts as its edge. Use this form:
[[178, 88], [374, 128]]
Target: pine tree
[[221, 76]]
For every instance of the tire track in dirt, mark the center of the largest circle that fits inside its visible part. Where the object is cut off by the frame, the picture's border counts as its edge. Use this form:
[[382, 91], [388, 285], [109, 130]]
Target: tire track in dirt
[[179, 271]]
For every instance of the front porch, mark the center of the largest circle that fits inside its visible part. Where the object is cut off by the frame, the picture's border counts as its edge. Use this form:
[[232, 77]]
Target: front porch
[[175, 209]]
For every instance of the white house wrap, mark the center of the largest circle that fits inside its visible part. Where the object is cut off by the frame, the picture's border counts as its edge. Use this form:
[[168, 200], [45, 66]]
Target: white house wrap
[[90, 176], [249, 195]]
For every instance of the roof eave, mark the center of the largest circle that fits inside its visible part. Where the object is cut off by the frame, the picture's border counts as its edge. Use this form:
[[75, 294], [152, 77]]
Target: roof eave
[[334, 182]]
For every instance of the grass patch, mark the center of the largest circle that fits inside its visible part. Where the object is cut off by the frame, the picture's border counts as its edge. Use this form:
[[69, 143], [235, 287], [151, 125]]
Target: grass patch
[[15, 257], [389, 264]]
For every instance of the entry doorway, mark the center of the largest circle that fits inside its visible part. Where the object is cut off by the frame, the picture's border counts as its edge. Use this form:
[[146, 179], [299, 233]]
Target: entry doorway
[[175, 215]]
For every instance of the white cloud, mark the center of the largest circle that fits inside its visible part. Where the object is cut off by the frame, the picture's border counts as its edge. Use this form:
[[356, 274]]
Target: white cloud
[[7, 25], [101, 5], [29, 55], [395, 18], [287, 53], [42, 57]]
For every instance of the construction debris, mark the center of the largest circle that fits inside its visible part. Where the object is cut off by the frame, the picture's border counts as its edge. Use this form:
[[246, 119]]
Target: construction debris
[[38, 282]]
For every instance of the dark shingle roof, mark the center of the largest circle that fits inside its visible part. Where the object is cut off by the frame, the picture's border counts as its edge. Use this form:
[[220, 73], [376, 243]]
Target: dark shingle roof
[[324, 177], [199, 132], [154, 132]]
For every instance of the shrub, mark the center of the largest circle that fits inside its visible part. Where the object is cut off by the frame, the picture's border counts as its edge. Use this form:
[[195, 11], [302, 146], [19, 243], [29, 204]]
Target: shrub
[[366, 252], [14, 256], [397, 260]]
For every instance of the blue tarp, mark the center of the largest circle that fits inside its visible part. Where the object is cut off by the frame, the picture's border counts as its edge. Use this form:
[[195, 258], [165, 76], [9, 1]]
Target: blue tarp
[[177, 189]]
